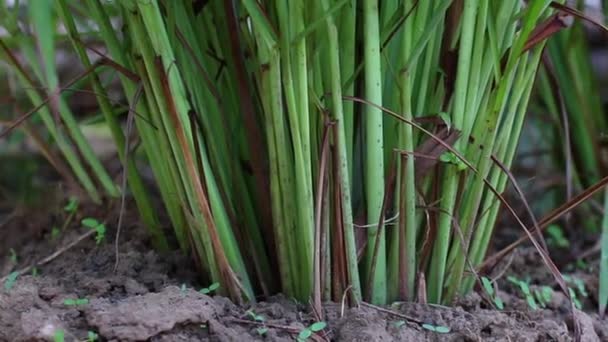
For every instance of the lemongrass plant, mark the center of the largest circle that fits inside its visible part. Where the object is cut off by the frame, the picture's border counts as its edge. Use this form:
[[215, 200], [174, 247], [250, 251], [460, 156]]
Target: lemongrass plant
[[319, 148], [570, 93]]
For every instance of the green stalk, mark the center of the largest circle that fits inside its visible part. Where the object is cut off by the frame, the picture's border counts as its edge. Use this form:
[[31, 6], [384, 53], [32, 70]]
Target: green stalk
[[450, 175], [343, 176], [144, 122], [44, 26], [347, 30], [297, 111], [374, 153]]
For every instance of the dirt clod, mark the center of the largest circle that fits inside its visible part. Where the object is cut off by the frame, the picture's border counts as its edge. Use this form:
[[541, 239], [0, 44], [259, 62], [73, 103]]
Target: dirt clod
[[141, 317]]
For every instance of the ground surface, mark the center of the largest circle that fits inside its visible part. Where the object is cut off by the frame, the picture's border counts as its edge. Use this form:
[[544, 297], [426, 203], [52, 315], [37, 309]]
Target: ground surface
[[153, 297]]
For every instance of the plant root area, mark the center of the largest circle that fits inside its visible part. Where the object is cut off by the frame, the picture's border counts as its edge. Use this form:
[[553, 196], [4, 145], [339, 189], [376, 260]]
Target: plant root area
[[147, 296]]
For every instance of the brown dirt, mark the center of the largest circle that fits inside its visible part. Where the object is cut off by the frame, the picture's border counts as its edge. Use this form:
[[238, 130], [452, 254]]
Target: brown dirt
[[145, 300]]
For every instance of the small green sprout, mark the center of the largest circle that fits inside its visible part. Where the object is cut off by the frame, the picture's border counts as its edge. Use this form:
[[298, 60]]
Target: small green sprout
[[59, 336], [491, 291], [258, 318], [10, 280], [92, 336], [255, 317], [557, 237], [13, 256], [210, 288], [306, 333], [35, 272], [525, 289], [262, 331], [543, 295], [399, 324], [75, 302], [575, 300], [440, 329], [55, 233], [100, 228], [582, 264], [578, 285], [72, 205]]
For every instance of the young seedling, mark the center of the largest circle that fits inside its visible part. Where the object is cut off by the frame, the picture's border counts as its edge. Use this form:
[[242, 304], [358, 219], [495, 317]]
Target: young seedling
[[13, 256], [580, 286], [59, 336], [440, 329], [92, 336], [10, 280], [576, 285], [255, 317], [100, 228], [543, 295], [525, 290], [75, 301], [261, 331], [399, 324], [579, 264], [306, 333], [55, 232], [71, 207], [556, 237], [491, 291], [258, 318], [210, 288]]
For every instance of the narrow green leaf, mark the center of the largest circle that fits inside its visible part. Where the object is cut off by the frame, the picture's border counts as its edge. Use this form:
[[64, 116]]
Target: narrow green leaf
[[10, 280], [318, 326], [90, 222], [304, 334]]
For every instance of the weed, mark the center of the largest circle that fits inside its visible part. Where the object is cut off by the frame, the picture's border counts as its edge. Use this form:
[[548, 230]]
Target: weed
[[261, 331], [13, 256], [576, 285], [100, 228], [55, 232], [313, 328], [575, 300], [59, 336], [436, 328], [71, 206], [10, 280], [556, 237], [255, 317], [210, 288], [92, 336], [543, 295], [258, 318], [491, 291], [525, 290], [398, 324]]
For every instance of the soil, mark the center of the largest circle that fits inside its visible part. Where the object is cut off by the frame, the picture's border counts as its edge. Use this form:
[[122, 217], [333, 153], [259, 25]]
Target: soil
[[153, 297]]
